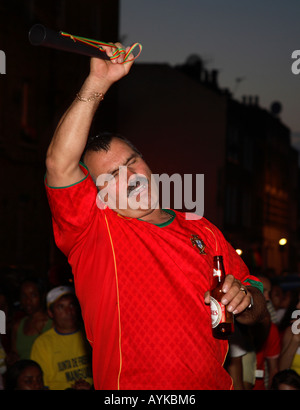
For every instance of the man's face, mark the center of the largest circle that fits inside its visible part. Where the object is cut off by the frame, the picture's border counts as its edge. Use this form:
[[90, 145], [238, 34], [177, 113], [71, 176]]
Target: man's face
[[30, 298], [64, 313], [267, 288], [30, 378], [123, 179]]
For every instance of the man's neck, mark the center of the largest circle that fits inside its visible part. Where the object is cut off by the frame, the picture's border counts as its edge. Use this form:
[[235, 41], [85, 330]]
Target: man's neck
[[157, 217], [65, 331]]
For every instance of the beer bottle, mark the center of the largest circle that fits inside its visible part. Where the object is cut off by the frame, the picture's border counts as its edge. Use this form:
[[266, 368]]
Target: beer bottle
[[222, 320]]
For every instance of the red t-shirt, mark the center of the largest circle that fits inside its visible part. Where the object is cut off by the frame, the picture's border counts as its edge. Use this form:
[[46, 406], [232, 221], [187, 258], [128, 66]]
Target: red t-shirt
[[141, 290]]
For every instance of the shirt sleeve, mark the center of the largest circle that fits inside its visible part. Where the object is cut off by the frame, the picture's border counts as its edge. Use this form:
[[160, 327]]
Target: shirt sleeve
[[73, 208]]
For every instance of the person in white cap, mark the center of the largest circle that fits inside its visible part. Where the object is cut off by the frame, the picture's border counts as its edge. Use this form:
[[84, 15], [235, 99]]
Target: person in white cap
[[63, 352]]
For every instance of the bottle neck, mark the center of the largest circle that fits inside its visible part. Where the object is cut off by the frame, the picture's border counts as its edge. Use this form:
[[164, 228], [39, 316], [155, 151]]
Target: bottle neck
[[218, 270]]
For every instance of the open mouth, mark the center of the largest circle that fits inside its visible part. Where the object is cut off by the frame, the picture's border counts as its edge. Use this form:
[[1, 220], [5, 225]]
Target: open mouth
[[137, 187], [136, 191]]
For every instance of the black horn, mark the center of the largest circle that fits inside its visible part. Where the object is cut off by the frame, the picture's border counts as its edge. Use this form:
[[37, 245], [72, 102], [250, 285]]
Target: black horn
[[42, 36]]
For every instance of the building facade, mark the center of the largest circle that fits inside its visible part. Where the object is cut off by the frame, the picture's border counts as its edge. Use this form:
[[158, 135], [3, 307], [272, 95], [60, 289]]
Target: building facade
[[38, 86], [261, 188]]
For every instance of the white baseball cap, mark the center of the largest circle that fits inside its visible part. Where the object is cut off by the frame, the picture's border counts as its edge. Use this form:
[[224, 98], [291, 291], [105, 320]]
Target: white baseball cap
[[57, 293]]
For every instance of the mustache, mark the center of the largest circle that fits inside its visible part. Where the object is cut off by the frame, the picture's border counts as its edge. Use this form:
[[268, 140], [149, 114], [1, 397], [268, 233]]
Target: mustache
[[135, 183]]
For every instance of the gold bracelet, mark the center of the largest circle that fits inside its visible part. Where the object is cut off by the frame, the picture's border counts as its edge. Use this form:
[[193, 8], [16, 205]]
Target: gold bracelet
[[91, 98]]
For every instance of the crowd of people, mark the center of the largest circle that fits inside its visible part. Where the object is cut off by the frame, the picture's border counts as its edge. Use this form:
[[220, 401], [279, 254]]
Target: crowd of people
[[45, 346], [266, 356]]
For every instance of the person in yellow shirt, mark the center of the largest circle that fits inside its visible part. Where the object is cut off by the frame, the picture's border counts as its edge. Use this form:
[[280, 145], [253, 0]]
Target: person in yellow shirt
[[63, 351]]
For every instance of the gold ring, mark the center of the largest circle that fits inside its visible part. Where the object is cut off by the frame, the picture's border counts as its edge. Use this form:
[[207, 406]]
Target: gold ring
[[242, 289]]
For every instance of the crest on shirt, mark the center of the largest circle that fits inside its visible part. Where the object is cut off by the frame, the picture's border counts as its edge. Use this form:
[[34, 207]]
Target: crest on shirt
[[196, 241]]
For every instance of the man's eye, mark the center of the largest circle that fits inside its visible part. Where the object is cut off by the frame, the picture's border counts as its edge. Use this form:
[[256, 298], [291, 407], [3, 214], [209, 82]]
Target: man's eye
[[111, 177], [132, 162]]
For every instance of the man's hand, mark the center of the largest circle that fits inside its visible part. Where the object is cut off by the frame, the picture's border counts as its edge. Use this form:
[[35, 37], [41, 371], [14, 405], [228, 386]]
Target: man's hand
[[237, 298], [81, 385], [111, 70]]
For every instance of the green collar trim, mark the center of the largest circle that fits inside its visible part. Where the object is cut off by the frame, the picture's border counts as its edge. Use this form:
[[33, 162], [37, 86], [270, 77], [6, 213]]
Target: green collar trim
[[162, 225]]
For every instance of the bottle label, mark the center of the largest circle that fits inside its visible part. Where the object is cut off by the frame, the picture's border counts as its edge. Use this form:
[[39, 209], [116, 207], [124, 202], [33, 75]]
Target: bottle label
[[218, 313], [217, 272]]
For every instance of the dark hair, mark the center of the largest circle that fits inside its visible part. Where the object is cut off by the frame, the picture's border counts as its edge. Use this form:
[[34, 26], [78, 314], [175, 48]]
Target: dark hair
[[288, 376], [35, 281], [13, 373], [102, 141]]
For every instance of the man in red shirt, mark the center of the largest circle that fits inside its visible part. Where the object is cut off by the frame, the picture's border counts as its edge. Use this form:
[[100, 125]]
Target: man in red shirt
[[141, 281]]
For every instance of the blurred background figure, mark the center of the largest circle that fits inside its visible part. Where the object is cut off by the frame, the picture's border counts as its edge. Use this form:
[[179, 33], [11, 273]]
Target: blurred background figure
[[24, 375], [280, 300], [286, 380], [63, 351], [290, 350], [35, 321]]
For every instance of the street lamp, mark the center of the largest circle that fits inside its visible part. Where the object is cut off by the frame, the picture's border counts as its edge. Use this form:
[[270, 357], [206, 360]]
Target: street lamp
[[282, 241]]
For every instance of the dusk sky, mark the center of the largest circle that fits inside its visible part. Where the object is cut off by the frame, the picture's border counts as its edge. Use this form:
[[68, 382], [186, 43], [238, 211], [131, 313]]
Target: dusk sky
[[253, 40]]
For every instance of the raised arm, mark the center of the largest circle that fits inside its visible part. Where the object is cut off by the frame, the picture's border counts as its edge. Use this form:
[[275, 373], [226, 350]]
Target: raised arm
[[290, 344], [70, 137]]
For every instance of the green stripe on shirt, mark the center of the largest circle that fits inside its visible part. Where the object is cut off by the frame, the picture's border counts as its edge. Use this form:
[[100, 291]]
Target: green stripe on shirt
[[256, 284]]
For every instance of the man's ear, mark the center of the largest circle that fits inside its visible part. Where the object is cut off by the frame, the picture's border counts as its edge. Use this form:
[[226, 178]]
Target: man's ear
[[50, 314]]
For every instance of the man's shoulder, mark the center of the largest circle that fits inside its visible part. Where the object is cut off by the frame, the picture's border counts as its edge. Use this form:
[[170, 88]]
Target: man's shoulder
[[45, 336], [43, 343]]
